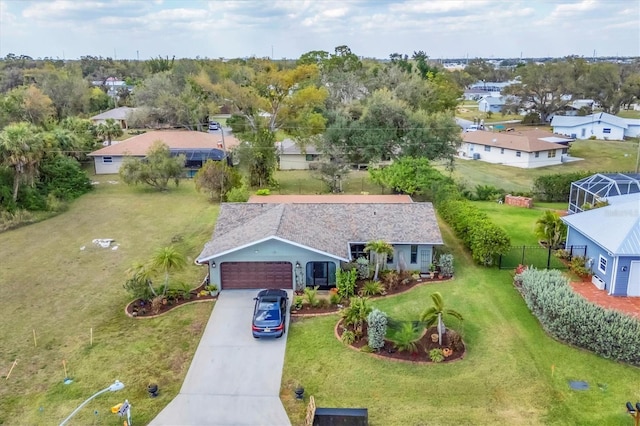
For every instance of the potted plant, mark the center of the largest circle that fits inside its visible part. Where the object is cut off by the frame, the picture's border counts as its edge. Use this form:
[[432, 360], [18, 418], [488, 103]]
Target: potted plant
[[212, 289]]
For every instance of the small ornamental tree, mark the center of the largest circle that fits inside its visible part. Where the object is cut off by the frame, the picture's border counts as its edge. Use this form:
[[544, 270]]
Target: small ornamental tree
[[156, 169], [434, 314], [551, 229], [376, 329], [445, 262]]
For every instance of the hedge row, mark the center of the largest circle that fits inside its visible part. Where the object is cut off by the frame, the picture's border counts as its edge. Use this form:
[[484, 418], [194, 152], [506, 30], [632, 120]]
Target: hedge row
[[556, 187], [482, 237], [574, 320]]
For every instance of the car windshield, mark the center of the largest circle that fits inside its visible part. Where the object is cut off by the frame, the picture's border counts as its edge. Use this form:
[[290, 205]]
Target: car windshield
[[268, 310]]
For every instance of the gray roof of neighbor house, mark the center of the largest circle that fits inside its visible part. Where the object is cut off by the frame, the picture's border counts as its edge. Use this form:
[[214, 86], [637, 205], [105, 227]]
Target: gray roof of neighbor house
[[572, 121], [616, 227], [288, 146], [525, 141], [121, 113], [323, 227]]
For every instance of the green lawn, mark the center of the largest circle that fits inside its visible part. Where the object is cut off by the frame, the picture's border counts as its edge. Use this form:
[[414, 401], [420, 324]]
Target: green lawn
[[628, 113], [302, 182], [54, 289], [512, 374], [599, 156]]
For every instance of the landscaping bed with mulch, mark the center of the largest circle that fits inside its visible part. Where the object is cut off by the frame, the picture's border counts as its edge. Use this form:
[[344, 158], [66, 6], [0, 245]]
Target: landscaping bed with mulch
[[423, 346], [147, 309]]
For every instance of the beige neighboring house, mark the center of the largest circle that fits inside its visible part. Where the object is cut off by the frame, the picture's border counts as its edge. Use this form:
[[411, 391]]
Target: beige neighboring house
[[120, 115], [525, 149], [198, 147], [291, 157]]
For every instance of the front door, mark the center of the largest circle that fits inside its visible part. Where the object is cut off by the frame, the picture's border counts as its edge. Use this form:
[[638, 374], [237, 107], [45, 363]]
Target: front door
[[633, 288], [425, 261]]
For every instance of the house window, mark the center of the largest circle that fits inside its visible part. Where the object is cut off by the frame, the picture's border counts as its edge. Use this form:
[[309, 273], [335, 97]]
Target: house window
[[322, 274], [311, 157], [471, 147], [551, 153], [487, 148], [107, 160], [357, 251], [583, 133], [518, 154], [414, 254], [565, 150], [501, 150], [602, 264], [606, 130], [537, 155]]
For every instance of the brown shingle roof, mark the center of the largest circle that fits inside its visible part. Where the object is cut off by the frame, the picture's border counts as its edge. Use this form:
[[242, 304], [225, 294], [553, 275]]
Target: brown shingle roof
[[175, 139], [323, 227], [331, 198], [526, 141]]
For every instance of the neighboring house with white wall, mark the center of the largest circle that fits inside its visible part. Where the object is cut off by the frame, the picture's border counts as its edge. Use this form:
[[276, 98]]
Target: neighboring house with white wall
[[601, 125], [291, 157], [524, 149]]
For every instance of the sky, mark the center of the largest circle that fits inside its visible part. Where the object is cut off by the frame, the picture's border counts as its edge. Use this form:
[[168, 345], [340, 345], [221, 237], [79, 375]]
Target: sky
[[144, 29]]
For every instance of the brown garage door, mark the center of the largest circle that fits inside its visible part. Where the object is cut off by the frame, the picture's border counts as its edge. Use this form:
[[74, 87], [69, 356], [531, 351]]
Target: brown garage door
[[256, 275]]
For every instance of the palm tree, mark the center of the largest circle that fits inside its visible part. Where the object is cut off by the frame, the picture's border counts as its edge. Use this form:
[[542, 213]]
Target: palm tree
[[380, 249], [434, 314], [551, 229], [21, 149], [109, 129], [168, 259], [141, 273]]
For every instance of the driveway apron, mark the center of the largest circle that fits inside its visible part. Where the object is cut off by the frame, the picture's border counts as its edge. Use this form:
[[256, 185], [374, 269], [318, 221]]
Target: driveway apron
[[233, 379]]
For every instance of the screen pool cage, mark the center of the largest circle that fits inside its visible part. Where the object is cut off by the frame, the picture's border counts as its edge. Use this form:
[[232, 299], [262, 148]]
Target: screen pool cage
[[585, 193]]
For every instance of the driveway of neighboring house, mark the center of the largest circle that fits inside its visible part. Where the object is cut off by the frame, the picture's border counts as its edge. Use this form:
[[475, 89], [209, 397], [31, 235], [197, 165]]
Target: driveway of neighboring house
[[233, 379]]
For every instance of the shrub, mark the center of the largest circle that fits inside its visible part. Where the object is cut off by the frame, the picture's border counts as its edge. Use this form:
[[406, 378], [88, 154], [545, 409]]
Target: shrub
[[376, 329], [348, 337], [335, 299], [455, 340], [311, 296], [322, 303], [436, 355], [238, 195], [488, 192], [297, 302], [346, 282], [572, 319], [556, 187], [364, 270], [445, 261], [391, 279], [264, 191], [406, 337], [372, 288], [356, 313], [578, 266]]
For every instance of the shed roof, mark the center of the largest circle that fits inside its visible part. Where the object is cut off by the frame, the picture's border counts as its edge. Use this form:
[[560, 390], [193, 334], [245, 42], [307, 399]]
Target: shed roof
[[616, 227], [322, 227]]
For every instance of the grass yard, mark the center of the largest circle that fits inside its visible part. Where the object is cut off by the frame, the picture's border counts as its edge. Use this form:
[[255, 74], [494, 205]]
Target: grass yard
[[599, 156], [302, 182], [53, 289], [469, 112], [513, 372], [628, 113]]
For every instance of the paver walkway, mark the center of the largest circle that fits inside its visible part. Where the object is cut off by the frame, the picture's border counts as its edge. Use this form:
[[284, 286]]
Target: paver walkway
[[627, 305], [233, 379]]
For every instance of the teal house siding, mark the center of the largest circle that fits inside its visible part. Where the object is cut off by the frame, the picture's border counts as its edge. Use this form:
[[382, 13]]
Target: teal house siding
[[271, 250]]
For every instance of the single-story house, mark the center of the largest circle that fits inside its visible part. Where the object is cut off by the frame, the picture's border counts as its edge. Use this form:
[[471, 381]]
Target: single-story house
[[291, 245], [612, 237], [524, 149], [291, 157], [492, 104], [198, 147], [120, 115], [601, 125]]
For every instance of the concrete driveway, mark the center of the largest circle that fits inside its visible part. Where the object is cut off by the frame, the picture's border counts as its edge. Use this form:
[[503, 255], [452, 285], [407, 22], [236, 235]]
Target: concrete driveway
[[233, 379]]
